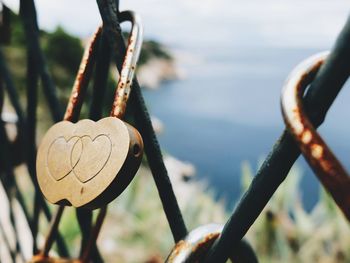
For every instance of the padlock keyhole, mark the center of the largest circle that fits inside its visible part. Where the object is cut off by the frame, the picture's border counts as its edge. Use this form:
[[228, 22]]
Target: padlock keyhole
[[136, 150]]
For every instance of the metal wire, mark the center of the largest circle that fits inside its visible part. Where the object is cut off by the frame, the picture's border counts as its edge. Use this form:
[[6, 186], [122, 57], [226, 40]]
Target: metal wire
[[171, 208]]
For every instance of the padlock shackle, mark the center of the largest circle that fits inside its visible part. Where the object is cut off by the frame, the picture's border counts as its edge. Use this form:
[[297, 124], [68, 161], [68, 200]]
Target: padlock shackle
[[126, 75], [129, 64], [82, 79], [323, 162]]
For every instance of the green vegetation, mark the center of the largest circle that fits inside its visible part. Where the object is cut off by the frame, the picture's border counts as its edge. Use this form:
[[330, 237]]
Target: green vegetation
[[285, 232], [136, 229], [63, 53], [152, 49], [64, 50]]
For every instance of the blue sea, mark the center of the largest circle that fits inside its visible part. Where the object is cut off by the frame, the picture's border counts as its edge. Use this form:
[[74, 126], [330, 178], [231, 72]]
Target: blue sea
[[218, 120]]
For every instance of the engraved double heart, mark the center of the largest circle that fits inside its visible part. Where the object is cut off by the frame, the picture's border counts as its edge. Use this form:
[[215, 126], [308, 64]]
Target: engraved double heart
[[83, 156]]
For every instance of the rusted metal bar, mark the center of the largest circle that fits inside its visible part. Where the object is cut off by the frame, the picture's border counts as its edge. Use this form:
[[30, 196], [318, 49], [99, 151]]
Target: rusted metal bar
[[108, 10], [322, 92]]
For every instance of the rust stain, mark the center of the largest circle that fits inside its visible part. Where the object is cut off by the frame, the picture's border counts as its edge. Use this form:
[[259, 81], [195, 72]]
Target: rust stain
[[317, 151], [200, 250], [306, 137], [127, 73], [205, 242], [179, 247], [192, 252], [75, 99]]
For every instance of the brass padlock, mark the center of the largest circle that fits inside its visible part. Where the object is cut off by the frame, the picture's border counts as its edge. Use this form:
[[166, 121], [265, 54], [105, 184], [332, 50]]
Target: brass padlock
[[88, 164], [324, 163]]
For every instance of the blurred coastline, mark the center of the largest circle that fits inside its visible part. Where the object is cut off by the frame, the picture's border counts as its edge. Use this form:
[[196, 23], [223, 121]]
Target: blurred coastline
[[231, 59]]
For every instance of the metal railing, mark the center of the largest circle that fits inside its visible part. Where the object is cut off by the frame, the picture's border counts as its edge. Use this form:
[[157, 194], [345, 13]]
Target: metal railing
[[322, 91]]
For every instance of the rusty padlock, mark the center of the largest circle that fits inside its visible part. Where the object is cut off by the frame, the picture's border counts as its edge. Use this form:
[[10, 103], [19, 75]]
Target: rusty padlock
[[88, 164], [323, 162], [194, 247]]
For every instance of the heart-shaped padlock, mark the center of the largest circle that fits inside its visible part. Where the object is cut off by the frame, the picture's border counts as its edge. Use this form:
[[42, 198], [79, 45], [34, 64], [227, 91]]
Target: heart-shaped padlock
[[88, 164], [321, 159]]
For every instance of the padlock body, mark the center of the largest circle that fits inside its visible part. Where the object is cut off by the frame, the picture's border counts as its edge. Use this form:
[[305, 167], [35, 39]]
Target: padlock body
[[88, 164]]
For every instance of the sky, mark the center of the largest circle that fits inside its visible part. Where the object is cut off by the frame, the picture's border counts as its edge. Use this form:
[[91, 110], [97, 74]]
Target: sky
[[278, 22]]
